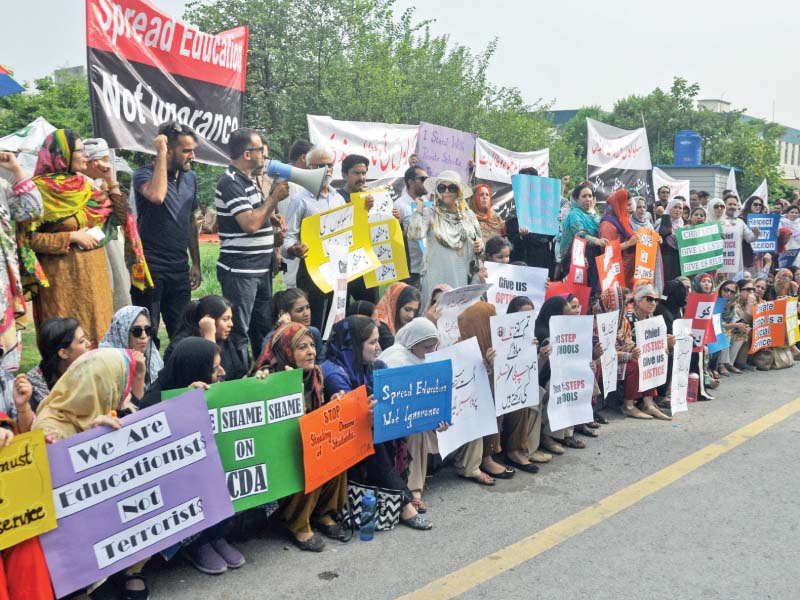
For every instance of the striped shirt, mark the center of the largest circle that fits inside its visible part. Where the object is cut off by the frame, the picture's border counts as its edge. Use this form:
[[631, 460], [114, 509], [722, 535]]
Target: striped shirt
[[241, 253]]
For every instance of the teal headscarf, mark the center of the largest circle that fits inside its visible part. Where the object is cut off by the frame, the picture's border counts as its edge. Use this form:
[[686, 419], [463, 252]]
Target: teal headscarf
[[578, 221]]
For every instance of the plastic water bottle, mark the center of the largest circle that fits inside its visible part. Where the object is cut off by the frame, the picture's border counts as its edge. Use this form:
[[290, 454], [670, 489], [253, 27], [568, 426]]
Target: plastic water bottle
[[368, 505]]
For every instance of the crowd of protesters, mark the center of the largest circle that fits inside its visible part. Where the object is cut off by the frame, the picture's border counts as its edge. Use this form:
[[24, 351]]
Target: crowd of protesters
[[78, 247]]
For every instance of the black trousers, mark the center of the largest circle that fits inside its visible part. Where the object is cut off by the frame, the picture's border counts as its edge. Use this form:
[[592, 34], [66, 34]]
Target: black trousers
[[166, 299]]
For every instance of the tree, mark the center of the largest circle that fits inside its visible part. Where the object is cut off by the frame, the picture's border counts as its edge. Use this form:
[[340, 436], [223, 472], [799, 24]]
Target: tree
[[64, 104]]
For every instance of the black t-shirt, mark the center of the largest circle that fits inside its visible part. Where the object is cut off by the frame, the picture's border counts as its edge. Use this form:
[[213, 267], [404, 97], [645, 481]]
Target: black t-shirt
[[164, 228]]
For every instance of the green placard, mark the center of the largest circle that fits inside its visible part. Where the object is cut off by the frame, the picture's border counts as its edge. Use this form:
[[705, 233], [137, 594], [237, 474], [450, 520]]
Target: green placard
[[700, 248], [256, 428]]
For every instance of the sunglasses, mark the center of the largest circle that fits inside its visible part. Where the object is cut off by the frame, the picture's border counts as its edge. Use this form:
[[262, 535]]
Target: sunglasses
[[748, 289], [442, 188], [729, 290], [756, 204], [140, 330], [649, 299]]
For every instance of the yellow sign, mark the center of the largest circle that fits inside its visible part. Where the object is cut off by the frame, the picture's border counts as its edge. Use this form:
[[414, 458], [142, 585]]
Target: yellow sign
[[387, 243], [346, 226], [26, 493], [792, 325]]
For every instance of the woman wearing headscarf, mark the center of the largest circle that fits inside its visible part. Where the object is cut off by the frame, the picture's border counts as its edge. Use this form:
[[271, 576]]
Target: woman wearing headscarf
[[398, 306], [481, 204], [412, 342], [512, 428], [195, 362], [352, 356], [641, 218], [753, 206], [667, 225], [130, 328], [790, 220], [68, 274], [582, 221], [94, 389], [451, 232], [644, 303], [292, 347], [616, 225]]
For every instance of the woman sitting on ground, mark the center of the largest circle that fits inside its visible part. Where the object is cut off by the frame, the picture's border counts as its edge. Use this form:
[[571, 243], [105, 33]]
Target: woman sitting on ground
[[292, 347], [352, 356], [131, 329], [292, 306], [60, 342], [399, 306], [211, 317]]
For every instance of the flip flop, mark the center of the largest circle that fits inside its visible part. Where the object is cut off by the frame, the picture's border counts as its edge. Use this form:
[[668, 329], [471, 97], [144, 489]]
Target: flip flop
[[508, 473], [598, 418], [482, 479], [418, 522], [571, 442]]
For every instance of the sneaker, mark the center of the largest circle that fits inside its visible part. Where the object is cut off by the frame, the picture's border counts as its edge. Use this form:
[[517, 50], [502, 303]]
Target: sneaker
[[206, 560], [232, 557]]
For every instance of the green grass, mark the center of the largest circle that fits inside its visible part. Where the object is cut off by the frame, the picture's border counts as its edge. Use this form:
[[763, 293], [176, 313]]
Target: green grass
[[210, 285]]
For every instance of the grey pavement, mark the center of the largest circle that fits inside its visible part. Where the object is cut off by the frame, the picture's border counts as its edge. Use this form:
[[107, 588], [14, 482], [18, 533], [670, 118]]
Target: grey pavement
[[728, 530]]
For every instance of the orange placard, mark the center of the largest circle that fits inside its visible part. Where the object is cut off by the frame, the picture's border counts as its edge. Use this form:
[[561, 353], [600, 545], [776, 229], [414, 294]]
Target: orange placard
[[335, 437], [609, 267], [644, 270], [582, 292], [769, 325]]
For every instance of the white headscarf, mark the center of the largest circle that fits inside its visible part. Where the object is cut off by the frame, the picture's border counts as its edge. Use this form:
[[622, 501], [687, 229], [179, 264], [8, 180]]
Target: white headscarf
[[710, 216], [408, 336], [672, 204]]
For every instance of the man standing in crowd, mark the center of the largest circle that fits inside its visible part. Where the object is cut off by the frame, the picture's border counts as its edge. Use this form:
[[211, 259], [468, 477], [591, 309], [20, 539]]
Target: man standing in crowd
[[247, 239], [166, 200], [663, 197], [297, 158], [734, 228], [354, 171], [414, 179], [704, 197], [305, 205], [694, 199]]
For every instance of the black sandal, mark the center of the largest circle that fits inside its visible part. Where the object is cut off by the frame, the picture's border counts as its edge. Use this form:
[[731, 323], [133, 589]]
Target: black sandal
[[584, 430], [600, 419], [127, 594], [508, 473], [333, 531], [571, 442]]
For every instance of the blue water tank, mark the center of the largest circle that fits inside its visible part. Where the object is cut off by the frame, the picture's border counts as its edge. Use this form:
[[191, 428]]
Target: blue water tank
[[688, 148]]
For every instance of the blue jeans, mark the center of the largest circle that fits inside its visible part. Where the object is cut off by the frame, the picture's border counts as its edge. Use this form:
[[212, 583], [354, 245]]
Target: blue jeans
[[251, 297]]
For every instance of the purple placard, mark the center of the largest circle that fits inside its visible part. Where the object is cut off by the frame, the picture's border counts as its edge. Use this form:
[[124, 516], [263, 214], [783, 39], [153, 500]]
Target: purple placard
[[123, 495], [442, 149]]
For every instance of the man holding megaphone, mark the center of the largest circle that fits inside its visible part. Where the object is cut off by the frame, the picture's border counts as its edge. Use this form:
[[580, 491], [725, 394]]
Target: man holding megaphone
[[247, 238]]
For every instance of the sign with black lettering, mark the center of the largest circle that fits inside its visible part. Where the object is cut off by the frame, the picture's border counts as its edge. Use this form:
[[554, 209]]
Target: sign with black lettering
[[146, 68], [129, 493], [571, 376], [258, 436]]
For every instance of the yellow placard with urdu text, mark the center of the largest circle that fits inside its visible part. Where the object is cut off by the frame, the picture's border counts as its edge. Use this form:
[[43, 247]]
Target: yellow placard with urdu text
[[344, 226], [387, 243], [26, 492]]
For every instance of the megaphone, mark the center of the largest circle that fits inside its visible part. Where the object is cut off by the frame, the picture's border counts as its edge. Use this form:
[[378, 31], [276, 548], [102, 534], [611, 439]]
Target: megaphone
[[310, 179]]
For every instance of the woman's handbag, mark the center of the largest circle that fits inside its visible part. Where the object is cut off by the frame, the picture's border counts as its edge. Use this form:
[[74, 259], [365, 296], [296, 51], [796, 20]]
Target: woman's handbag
[[387, 510]]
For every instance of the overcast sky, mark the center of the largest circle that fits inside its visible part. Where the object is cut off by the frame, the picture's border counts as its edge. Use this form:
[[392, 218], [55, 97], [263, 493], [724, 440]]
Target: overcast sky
[[571, 52]]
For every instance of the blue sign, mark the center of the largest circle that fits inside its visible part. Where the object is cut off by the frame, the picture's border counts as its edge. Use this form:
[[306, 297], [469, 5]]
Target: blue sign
[[538, 203], [767, 232], [412, 399], [722, 339], [787, 258]]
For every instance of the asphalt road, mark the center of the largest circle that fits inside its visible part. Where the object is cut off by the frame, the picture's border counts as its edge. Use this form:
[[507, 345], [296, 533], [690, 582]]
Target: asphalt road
[[727, 530]]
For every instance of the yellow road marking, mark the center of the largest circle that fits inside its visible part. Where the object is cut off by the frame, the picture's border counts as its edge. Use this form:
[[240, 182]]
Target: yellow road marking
[[488, 567]]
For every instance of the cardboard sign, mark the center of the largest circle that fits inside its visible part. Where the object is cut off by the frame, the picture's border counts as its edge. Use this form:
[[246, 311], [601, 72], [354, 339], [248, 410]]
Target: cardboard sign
[[578, 268], [26, 495], [444, 149], [769, 325], [473, 414], [646, 256], [732, 250], [516, 364], [510, 281], [498, 164], [607, 326], [767, 225], [452, 304], [582, 292], [609, 267], [336, 437], [787, 258], [571, 380], [722, 340], [538, 203], [412, 399], [386, 238], [340, 265], [681, 361], [700, 248], [651, 339], [256, 429], [792, 328], [700, 309], [127, 494]]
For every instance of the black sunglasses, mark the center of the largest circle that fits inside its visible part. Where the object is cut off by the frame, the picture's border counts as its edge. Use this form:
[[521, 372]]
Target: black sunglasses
[[442, 188], [649, 298], [138, 330], [729, 290], [748, 289]]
